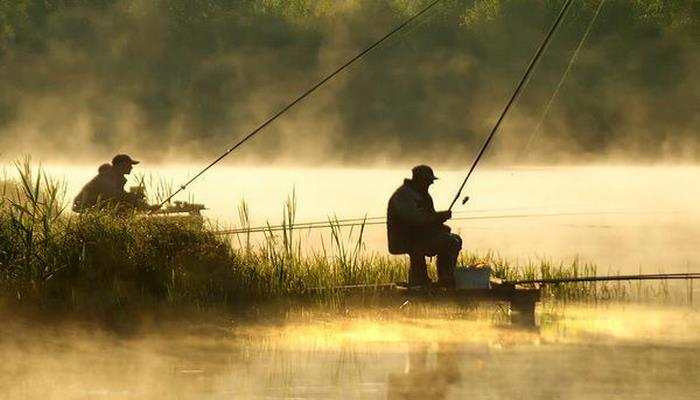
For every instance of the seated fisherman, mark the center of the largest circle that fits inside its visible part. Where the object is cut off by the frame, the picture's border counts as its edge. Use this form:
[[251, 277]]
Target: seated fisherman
[[107, 188], [416, 229]]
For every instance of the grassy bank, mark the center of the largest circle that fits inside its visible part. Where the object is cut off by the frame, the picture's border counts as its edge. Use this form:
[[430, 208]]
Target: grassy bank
[[96, 262], [105, 263]]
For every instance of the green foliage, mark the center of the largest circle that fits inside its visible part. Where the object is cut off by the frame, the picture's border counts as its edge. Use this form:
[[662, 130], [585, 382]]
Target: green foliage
[[31, 209], [483, 11], [671, 14], [170, 68], [13, 19]]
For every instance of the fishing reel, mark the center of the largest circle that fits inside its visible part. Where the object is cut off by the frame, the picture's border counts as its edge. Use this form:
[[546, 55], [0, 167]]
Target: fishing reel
[[182, 207]]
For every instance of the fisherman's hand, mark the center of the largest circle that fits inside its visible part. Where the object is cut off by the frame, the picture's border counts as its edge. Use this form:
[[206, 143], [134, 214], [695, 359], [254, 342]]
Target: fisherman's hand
[[154, 207], [444, 215]]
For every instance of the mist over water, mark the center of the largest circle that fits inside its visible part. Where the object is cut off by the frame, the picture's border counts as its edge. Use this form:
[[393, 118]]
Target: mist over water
[[621, 218], [612, 352]]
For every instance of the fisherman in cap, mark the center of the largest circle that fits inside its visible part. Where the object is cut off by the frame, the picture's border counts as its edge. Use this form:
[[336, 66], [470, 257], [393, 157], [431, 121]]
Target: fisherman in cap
[[107, 188], [416, 229]]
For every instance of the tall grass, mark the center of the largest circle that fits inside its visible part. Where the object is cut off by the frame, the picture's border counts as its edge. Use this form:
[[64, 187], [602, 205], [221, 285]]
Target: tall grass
[[56, 259], [31, 226], [283, 268]]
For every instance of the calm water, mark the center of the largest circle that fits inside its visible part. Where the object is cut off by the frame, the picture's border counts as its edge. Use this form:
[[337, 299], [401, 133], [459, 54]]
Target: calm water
[[608, 352], [621, 218]]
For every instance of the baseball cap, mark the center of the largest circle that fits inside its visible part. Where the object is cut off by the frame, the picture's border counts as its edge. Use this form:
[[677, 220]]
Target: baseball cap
[[123, 159], [423, 172]]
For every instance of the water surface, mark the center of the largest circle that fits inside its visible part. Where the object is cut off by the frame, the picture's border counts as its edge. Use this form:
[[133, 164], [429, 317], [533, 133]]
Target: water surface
[[580, 352]]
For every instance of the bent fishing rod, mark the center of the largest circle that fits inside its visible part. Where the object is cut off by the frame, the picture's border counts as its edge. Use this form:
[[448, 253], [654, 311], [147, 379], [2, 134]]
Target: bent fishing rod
[[300, 98], [511, 101]]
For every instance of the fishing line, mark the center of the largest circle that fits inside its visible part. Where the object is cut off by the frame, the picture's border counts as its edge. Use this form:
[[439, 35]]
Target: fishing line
[[359, 220], [517, 91], [298, 99], [538, 127], [325, 223], [382, 221]]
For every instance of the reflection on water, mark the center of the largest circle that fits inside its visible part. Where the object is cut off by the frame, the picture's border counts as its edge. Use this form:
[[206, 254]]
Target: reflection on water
[[424, 378], [632, 218], [611, 352]]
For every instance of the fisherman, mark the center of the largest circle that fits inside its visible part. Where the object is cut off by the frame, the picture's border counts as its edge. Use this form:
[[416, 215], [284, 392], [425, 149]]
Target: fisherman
[[106, 190], [416, 229]]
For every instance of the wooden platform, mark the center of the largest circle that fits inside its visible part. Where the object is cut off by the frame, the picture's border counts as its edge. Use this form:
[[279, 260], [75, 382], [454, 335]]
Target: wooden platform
[[521, 299]]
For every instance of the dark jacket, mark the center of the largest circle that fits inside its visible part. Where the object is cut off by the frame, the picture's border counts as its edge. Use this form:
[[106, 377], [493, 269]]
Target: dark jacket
[[411, 218], [104, 190]]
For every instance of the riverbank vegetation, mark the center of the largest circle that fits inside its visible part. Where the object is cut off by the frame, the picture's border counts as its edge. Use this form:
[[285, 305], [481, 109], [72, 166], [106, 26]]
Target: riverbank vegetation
[[103, 263]]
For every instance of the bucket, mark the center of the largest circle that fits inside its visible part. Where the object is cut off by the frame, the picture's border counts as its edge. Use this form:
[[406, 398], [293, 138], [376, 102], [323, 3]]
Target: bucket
[[472, 277]]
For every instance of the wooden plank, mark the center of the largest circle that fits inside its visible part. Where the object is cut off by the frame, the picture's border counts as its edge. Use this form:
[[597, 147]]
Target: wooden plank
[[521, 299]]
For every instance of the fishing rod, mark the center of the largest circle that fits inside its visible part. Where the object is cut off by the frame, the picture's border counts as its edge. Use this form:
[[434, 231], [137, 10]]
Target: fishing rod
[[686, 276], [300, 98], [548, 106], [517, 91], [639, 277], [382, 221]]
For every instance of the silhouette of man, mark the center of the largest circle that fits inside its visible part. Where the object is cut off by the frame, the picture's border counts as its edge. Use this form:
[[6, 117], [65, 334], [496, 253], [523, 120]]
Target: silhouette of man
[[107, 188], [416, 229]]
